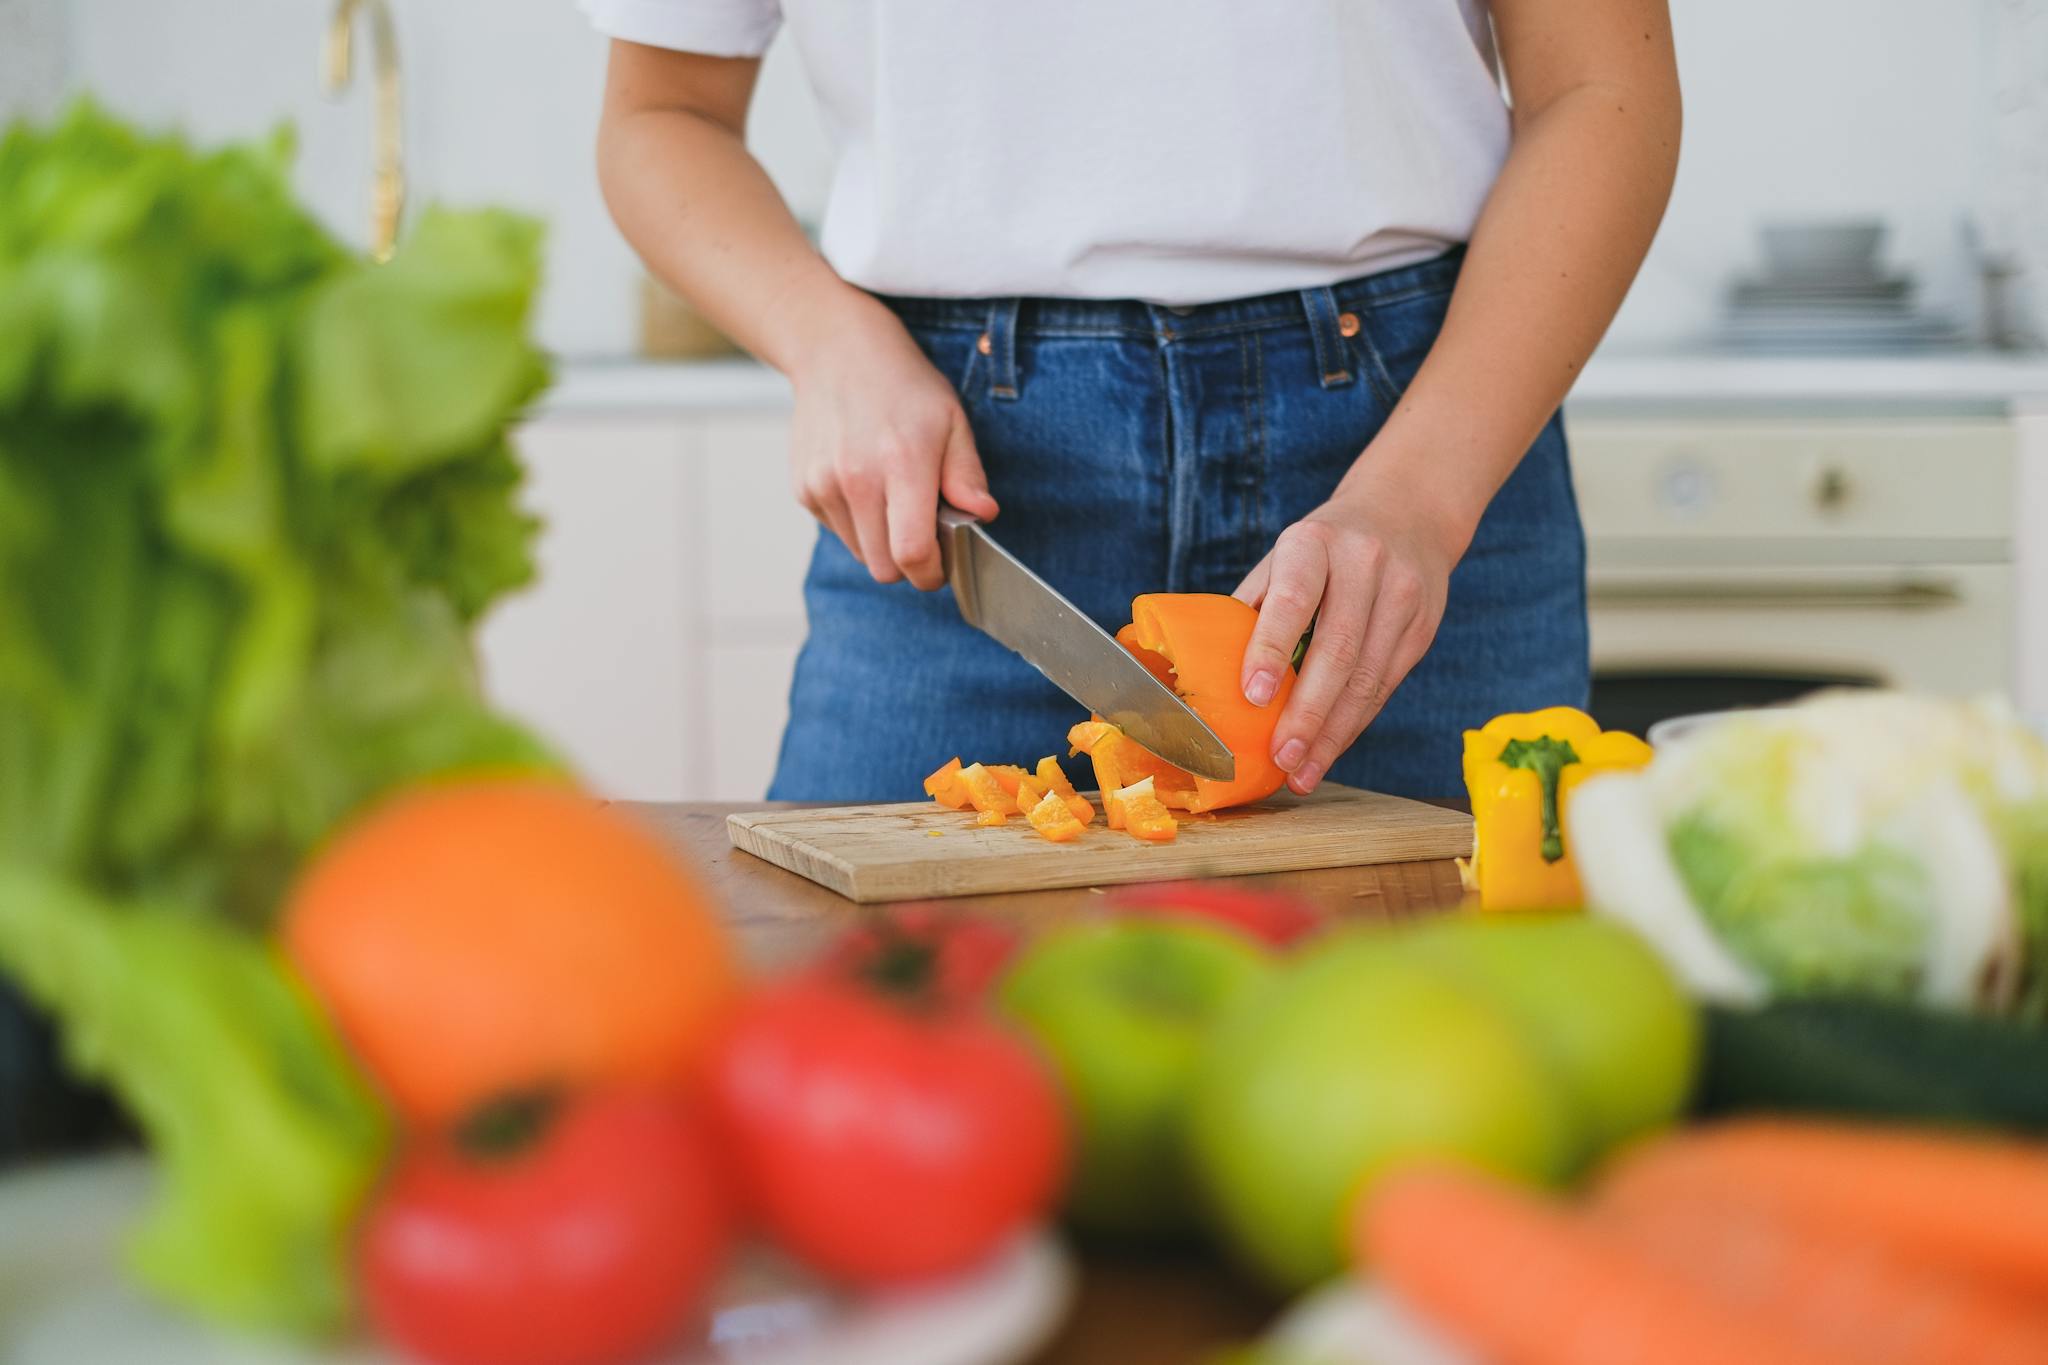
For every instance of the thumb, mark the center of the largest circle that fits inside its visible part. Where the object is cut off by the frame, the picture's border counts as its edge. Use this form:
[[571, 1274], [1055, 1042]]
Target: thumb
[[961, 480]]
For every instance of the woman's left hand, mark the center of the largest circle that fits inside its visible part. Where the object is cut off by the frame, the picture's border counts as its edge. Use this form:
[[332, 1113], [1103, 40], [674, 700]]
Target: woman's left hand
[[1371, 570]]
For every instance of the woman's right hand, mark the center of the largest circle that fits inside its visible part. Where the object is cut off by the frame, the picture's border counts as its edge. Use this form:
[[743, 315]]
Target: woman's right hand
[[879, 438]]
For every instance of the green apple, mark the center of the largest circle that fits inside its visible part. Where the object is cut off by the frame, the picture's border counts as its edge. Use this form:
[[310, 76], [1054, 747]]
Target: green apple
[[1354, 1059], [1123, 1009], [1593, 998]]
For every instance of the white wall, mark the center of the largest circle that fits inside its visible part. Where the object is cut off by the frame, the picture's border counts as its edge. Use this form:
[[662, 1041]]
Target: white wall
[[1819, 107], [502, 102], [1794, 107]]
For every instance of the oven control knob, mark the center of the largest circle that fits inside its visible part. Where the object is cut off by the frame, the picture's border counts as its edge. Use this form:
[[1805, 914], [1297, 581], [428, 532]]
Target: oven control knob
[[1687, 487], [1831, 488]]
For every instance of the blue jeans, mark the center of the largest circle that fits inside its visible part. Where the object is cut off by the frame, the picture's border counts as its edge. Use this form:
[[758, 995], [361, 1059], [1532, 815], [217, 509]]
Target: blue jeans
[[1136, 448]]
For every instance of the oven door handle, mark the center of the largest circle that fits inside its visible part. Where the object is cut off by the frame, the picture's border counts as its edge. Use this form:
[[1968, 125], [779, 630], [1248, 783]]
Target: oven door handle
[[1891, 595]]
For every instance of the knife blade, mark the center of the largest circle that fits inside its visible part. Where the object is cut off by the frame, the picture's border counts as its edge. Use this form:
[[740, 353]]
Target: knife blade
[[1000, 596]]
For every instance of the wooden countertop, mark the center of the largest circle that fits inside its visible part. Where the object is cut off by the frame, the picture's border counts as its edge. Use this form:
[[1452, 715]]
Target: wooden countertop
[[1132, 1309]]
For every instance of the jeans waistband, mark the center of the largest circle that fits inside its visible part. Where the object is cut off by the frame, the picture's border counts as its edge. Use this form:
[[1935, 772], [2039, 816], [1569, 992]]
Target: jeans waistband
[[1119, 317]]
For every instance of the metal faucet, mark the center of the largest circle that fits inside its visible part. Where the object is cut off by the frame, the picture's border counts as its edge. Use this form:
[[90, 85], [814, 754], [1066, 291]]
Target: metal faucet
[[387, 190]]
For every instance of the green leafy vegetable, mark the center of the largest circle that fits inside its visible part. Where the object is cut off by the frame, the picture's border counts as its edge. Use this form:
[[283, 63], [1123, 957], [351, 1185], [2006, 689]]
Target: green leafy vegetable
[[1814, 924], [266, 1140], [253, 493], [1547, 758]]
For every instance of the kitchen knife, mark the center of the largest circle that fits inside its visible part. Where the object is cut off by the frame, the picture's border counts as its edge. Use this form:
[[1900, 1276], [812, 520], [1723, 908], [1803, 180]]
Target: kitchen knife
[[1000, 596]]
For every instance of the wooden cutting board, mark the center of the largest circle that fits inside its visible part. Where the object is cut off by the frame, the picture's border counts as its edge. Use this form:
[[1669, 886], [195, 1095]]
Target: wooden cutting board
[[920, 850]]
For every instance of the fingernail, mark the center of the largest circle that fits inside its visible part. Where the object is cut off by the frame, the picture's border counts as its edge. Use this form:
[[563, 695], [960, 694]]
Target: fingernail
[[1290, 754], [1306, 776], [1261, 688]]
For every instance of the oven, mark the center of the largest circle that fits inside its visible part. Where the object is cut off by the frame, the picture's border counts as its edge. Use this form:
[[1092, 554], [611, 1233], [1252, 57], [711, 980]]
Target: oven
[[1740, 561]]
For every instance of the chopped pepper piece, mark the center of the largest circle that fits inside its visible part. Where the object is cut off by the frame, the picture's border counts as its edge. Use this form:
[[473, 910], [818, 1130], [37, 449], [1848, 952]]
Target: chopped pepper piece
[[987, 794], [1054, 819], [1007, 775], [1055, 780], [1520, 771], [1138, 812], [945, 787], [1030, 791]]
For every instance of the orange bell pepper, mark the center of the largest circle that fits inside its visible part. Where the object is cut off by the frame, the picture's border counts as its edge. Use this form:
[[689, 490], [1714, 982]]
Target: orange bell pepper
[[988, 796], [1194, 643], [1030, 791], [1054, 818], [1055, 780], [945, 786], [1138, 811]]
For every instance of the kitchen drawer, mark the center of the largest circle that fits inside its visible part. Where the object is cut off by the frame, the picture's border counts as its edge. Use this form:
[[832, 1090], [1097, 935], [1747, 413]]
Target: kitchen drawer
[[1942, 628], [1794, 480], [757, 539]]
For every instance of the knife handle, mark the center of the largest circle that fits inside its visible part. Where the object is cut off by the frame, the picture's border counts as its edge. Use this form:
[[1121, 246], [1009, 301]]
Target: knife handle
[[955, 526]]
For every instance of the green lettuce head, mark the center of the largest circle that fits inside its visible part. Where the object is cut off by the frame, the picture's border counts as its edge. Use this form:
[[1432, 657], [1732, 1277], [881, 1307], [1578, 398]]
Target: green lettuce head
[[254, 494], [1870, 843]]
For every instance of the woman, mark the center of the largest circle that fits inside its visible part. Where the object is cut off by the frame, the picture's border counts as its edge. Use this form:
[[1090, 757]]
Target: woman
[[1188, 295]]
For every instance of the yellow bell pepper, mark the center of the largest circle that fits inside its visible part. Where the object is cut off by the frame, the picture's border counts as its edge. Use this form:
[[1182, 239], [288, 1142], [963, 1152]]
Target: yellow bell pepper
[[1520, 770]]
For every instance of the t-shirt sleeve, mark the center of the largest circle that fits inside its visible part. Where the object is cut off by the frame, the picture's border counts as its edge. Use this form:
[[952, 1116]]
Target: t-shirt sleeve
[[716, 28]]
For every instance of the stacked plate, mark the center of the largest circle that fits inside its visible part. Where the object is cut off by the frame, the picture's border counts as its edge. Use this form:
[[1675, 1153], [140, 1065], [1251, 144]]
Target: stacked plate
[[1825, 289]]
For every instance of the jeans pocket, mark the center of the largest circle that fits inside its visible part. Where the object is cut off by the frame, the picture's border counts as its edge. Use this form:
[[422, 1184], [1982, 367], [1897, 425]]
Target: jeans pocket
[[955, 354], [1394, 338]]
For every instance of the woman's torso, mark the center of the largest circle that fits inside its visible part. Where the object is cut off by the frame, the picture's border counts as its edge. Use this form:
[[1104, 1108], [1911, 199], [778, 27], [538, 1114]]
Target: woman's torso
[[1177, 151]]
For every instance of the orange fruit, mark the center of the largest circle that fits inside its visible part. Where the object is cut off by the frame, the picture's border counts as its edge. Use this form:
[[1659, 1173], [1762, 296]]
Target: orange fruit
[[479, 938]]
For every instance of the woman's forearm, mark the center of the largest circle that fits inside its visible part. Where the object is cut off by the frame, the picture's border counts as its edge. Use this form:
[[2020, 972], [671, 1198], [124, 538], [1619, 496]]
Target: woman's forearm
[[700, 210], [1554, 251], [877, 436]]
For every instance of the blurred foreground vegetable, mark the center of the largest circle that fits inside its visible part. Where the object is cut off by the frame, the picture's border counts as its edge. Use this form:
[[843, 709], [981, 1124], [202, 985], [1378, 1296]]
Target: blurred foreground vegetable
[[1123, 1008], [253, 492], [584, 1231], [266, 1140], [1874, 844], [1760, 1241], [489, 937], [1527, 1046], [1520, 1281], [883, 1130]]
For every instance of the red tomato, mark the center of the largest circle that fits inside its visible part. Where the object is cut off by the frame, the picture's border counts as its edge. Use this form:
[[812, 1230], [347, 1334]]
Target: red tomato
[[1279, 918], [593, 1243], [954, 956], [883, 1143]]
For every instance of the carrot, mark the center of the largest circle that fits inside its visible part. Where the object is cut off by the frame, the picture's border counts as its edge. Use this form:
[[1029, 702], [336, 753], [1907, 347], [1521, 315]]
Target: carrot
[[1823, 1284], [1519, 1281], [1978, 1206]]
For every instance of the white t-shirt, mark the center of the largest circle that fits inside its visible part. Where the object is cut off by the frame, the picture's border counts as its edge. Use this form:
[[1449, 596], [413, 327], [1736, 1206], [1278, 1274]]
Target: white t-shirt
[[1178, 151]]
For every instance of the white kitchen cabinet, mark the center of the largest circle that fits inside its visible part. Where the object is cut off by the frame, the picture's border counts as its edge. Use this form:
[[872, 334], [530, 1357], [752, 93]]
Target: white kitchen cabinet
[[656, 647], [757, 544], [598, 654], [747, 690]]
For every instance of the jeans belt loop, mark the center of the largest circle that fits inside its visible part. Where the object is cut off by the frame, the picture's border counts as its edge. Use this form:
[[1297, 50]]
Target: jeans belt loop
[[1321, 307], [1002, 342]]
